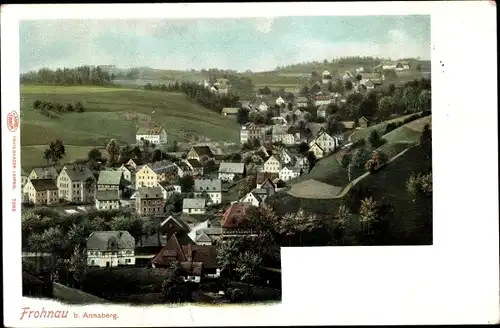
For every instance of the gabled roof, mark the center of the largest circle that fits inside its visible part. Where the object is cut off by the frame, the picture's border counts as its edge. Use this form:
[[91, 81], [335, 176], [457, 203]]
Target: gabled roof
[[235, 215], [152, 130], [263, 176], [194, 163], [301, 99], [107, 195], [236, 168], [149, 192], [230, 110], [110, 240], [45, 172], [206, 254], [162, 166], [43, 184], [109, 177], [196, 203], [208, 185], [203, 238], [78, 172], [316, 144], [172, 251], [171, 219], [203, 150]]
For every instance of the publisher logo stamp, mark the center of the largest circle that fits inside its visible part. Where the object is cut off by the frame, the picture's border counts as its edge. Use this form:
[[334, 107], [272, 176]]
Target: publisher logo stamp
[[12, 121]]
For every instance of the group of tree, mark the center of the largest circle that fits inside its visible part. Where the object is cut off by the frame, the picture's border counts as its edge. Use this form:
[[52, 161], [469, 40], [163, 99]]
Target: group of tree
[[83, 75], [203, 96], [46, 107], [54, 152]]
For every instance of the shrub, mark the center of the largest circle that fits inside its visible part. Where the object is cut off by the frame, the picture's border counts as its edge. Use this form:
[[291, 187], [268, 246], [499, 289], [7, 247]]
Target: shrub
[[346, 159]]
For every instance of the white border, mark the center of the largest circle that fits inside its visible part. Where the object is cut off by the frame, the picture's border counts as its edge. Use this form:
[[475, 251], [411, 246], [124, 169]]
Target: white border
[[455, 281]]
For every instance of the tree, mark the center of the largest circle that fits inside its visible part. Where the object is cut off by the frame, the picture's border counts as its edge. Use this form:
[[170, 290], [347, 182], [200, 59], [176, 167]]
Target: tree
[[173, 146], [248, 266], [257, 118], [311, 159], [113, 150], [375, 140], [248, 186], [334, 126], [391, 89], [99, 224], [420, 185], [342, 218], [55, 152], [78, 264], [242, 116], [359, 77], [424, 100], [426, 136], [386, 106], [36, 104], [48, 155], [227, 255], [303, 148], [186, 183], [131, 224], [290, 107], [374, 163], [368, 214], [94, 155], [79, 107], [348, 85], [346, 160]]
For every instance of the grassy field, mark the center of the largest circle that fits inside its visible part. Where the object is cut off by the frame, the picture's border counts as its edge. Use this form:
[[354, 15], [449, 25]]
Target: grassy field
[[32, 156], [114, 113], [327, 170], [380, 127]]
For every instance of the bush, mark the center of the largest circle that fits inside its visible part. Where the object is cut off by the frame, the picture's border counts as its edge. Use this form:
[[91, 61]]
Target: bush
[[346, 159]]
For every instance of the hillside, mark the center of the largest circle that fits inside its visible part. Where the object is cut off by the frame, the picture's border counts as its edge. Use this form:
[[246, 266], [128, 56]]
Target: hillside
[[112, 112], [409, 222]]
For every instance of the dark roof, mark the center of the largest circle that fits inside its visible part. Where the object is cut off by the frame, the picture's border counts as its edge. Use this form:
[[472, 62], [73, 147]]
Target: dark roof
[[43, 184], [203, 150], [192, 268], [163, 166], [78, 172], [107, 195], [45, 172], [156, 240], [177, 221], [194, 163], [208, 185], [110, 240], [203, 237], [263, 176], [235, 215], [197, 203], [149, 192], [206, 254]]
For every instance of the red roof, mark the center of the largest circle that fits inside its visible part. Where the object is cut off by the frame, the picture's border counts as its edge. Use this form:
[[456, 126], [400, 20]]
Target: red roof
[[263, 176], [205, 254], [172, 251], [235, 215]]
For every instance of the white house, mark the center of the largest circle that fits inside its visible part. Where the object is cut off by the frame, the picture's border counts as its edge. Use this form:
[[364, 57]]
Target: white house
[[301, 162], [155, 135], [326, 77], [273, 164], [261, 105], [288, 173], [193, 205], [256, 197], [243, 134], [325, 141], [107, 200], [210, 187], [169, 189], [128, 173], [289, 139], [110, 249], [285, 156], [318, 151], [228, 171], [280, 101]]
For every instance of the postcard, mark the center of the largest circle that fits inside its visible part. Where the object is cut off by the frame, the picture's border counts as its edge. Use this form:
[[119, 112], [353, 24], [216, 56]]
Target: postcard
[[204, 164]]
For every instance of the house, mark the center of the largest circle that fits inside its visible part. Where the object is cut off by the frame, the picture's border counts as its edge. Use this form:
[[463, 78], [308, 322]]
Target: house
[[278, 132], [369, 85], [40, 191], [256, 131], [149, 201], [280, 101], [273, 164], [110, 180], [256, 197], [326, 77], [169, 189], [243, 134], [154, 134], [325, 141], [228, 171], [128, 173], [197, 261], [318, 151], [43, 173], [264, 180], [321, 111], [76, 183], [173, 226], [195, 166], [199, 152], [302, 102], [24, 178], [279, 120], [210, 188], [194, 205], [203, 239], [234, 222], [347, 76], [289, 139], [301, 162], [288, 173], [149, 175], [110, 249], [363, 122], [261, 105], [402, 66], [229, 111], [348, 125], [185, 168], [135, 163], [107, 200], [322, 99]]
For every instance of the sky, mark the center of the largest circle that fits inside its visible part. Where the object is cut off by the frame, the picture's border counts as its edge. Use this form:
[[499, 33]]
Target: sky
[[257, 44]]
